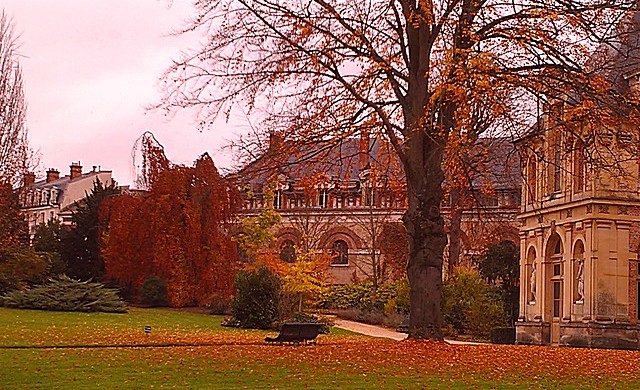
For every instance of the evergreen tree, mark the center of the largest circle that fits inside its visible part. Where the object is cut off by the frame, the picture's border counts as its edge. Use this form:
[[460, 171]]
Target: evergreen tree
[[500, 266], [49, 238], [81, 246]]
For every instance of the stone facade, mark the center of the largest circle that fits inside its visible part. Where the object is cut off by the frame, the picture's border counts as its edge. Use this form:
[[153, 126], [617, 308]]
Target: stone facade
[[580, 223], [578, 245], [343, 207]]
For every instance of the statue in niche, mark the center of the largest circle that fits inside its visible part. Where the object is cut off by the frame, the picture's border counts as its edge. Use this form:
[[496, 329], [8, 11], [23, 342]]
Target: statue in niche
[[532, 283], [580, 281]]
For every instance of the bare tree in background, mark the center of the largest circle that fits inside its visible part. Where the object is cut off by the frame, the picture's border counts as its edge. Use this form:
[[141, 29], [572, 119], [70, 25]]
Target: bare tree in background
[[425, 75], [14, 151]]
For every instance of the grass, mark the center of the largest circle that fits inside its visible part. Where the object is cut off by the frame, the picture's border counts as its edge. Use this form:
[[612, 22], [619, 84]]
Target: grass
[[218, 357]]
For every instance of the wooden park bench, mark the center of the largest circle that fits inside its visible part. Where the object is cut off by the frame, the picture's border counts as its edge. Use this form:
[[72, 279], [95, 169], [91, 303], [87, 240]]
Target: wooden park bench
[[296, 333]]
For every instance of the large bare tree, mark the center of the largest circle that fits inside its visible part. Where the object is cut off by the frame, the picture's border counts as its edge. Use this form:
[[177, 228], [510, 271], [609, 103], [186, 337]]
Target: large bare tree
[[428, 76], [13, 130]]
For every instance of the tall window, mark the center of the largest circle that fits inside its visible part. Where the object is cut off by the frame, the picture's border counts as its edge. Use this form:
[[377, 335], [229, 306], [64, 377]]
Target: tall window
[[554, 161], [531, 179], [578, 167], [557, 160], [340, 253]]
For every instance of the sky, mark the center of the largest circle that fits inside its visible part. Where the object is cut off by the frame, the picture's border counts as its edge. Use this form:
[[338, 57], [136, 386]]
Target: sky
[[91, 67]]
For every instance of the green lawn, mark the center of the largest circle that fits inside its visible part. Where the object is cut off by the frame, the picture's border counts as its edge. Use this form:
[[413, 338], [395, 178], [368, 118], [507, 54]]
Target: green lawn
[[217, 357]]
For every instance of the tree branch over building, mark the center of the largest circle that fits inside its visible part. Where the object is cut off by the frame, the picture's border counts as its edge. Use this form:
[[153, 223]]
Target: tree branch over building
[[424, 75]]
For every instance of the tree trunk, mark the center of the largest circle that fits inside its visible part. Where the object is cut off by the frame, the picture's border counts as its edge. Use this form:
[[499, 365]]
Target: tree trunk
[[426, 236]]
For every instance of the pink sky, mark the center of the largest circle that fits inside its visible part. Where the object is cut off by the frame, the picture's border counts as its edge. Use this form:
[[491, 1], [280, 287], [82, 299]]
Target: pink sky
[[90, 68]]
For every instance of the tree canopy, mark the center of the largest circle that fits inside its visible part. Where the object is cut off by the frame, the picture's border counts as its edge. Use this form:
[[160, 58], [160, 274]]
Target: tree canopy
[[14, 150], [178, 231], [430, 77]]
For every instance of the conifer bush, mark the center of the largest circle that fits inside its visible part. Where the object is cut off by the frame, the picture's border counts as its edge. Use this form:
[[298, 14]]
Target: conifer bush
[[66, 294], [153, 292], [257, 303]]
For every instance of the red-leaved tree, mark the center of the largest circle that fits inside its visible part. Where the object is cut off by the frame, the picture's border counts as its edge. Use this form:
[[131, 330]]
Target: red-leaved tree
[[177, 231]]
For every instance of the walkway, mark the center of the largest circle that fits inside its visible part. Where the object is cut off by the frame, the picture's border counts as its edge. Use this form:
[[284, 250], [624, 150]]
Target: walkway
[[378, 331], [369, 330]]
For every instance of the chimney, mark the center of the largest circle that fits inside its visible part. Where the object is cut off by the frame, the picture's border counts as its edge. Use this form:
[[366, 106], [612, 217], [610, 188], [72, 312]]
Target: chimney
[[76, 170], [52, 175], [275, 141], [363, 150], [29, 179]]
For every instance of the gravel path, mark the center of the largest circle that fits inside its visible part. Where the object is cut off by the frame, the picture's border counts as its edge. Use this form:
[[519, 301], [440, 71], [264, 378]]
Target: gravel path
[[378, 331]]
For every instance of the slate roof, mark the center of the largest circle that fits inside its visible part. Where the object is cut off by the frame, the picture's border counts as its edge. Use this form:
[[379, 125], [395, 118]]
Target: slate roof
[[501, 163]]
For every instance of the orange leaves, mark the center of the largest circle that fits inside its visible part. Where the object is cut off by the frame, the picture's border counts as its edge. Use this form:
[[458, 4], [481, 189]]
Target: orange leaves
[[177, 231]]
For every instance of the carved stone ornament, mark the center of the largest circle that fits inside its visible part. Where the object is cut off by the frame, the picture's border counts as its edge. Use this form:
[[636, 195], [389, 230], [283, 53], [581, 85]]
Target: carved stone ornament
[[589, 209], [603, 208], [580, 282], [532, 284]]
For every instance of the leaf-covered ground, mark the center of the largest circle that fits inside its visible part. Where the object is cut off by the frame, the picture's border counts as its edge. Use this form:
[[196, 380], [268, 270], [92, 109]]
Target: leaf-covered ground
[[237, 359]]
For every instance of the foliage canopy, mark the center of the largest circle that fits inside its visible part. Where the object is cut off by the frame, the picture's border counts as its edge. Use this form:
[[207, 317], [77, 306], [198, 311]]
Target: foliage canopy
[[429, 77]]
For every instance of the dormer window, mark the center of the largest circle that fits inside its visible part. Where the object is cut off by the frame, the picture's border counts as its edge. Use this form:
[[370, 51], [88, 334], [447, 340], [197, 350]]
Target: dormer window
[[369, 196], [277, 199], [323, 198], [634, 82]]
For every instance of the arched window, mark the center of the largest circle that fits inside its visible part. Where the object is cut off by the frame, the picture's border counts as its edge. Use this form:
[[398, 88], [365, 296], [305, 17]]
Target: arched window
[[340, 253], [288, 251]]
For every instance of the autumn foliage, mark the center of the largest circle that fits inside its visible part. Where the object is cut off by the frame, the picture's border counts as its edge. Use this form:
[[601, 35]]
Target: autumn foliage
[[177, 231], [13, 227]]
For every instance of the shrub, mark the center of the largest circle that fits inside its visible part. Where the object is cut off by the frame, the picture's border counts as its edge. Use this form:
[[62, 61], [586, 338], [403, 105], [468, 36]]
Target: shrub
[[65, 294], [310, 318], [368, 317], [360, 296], [503, 335], [256, 304], [20, 267], [153, 292], [219, 306], [469, 305]]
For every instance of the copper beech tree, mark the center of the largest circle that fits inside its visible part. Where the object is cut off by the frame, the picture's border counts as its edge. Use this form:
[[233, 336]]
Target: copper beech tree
[[178, 230], [428, 76]]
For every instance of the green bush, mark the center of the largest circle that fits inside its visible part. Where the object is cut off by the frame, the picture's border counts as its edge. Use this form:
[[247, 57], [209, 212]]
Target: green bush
[[469, 305], [153, 292], [65, 294], [313, 319], [257, 303], [21, 267], [219, 306], [360, 296]]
